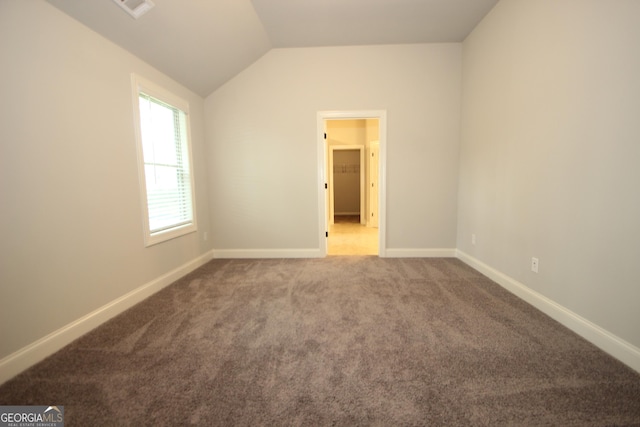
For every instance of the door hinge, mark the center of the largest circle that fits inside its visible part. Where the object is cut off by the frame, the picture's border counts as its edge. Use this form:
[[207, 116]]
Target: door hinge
[[325, 135], [325, 186], [326, 234]]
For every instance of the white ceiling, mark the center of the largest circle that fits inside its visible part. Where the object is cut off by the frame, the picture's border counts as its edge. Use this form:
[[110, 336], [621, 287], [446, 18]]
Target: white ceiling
[[203, 43]]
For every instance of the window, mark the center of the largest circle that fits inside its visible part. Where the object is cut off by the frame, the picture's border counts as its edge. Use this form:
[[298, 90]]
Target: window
[[164, 162]]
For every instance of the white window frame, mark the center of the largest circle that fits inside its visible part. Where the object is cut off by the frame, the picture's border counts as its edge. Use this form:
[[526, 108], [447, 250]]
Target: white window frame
[[141, 85]]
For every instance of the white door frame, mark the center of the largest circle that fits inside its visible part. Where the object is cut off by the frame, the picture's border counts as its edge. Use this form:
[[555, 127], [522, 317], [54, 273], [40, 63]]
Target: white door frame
[[323, 193], [372, 184], [363, 187]]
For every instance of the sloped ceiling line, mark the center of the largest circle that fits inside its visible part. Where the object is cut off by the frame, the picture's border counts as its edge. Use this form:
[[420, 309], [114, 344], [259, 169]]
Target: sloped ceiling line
[[202, 44]]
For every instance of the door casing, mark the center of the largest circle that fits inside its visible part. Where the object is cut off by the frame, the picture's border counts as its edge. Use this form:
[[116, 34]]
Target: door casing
[[323, 193]]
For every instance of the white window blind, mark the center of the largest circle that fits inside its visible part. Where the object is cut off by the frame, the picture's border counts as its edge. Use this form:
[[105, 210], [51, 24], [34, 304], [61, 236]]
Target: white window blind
[[164, 154]]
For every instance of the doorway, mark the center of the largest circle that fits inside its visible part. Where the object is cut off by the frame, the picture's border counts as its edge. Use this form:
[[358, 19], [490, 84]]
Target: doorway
[[351, 152], [347, 187], [349, 232]]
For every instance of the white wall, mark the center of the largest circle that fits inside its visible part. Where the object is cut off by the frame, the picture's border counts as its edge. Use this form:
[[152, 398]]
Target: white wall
[[550, 153], [71, 235], [261, 139]]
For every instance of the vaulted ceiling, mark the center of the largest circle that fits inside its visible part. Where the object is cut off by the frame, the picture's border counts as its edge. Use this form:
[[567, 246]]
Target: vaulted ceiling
[[204, 43]]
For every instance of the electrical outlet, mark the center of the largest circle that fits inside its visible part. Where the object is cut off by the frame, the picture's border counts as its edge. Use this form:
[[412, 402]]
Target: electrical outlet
[[473, 239], [534, 264]]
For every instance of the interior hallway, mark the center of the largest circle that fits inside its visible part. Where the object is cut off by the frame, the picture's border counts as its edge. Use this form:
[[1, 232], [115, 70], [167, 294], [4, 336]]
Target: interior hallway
[[348, 237]]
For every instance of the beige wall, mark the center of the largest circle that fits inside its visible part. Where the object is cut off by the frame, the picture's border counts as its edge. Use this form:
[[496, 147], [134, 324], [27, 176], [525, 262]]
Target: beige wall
[[262, 142], [346, 132], [372, 130], [550, 153], [71, 235]]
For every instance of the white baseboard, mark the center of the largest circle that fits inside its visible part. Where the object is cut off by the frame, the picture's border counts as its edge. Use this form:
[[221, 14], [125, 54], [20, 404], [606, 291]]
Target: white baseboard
[[13, 364], [420, 253], [615, 346], [266, 253], [28, 356]]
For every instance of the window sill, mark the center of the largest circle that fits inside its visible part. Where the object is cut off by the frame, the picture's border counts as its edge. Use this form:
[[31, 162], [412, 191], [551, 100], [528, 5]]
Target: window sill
[[172, 233]]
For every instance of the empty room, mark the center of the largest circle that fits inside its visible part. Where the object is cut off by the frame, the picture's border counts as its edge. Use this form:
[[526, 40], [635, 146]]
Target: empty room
[[166, 200]]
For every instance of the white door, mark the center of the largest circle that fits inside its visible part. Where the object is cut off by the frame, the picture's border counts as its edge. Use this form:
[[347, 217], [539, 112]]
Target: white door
[[373, 184]]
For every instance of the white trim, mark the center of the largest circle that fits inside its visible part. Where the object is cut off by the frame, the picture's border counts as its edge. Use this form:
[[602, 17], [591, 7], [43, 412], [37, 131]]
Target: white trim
[[266, 253], [381, 115], [37, 351], [422, 253], [626, 352], [137, 11], [138, 85], [323, 192], [371, 207]]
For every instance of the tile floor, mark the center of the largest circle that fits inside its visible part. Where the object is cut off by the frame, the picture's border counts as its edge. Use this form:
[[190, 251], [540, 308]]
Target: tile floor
[[348, 237]]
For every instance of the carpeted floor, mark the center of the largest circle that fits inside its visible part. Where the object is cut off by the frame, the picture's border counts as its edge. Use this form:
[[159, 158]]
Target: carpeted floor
[[336, 341]]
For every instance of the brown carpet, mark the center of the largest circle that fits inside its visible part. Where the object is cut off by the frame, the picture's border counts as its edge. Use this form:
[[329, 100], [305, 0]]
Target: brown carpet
[[337, 341]]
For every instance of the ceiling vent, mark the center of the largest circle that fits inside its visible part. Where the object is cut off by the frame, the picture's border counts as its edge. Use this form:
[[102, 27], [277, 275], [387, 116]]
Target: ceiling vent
[[135, 8]]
